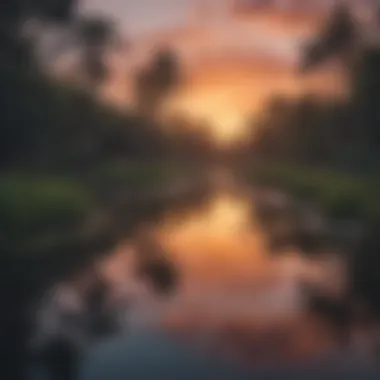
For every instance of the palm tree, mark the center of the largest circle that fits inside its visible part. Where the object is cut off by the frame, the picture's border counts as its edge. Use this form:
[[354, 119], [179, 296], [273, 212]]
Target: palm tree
[[338, 38], [155, 83], [95, 36]]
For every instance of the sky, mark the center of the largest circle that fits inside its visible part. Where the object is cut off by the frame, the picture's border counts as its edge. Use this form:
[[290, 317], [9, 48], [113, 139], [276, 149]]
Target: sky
[[230, 71], [140, 16]]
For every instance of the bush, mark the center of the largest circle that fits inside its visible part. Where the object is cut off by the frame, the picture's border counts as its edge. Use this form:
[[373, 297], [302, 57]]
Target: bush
[[31, 208], [135, 175], [338, 195]]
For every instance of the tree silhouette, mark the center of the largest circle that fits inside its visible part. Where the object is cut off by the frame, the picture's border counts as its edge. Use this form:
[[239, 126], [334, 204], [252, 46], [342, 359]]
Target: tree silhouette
[[155, 83], [51, 128], [95, 35], [60, 358], [337, 38], [155, 267], [165, 70], [16, 11], [366, 97], [364, 272], [306, 130]]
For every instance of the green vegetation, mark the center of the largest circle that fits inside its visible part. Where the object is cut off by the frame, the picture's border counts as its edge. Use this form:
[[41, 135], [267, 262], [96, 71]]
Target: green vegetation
[[51, 125], [340, 196], [322, 150], [30, 206], [156, 82], [61, 151], [329, 152], [337, 37], [136, 175]]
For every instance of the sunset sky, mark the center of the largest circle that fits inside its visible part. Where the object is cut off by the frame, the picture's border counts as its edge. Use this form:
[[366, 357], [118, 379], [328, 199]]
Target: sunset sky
[[139, 16], [230, 69]]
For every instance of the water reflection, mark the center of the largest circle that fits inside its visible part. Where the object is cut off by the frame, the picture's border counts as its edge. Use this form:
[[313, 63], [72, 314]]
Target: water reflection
[[216, 245], [235, 298], [234, 292]]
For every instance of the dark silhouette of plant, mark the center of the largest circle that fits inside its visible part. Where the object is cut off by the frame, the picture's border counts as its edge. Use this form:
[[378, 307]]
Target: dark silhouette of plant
[[364, 272], [155, 83], [50, 129], [15, 11], [61, 359], [338, 38], [155, 267], [95, 36], [366, 97]]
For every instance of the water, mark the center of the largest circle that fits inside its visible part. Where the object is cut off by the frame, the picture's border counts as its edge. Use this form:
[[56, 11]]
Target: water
[[235, 300]]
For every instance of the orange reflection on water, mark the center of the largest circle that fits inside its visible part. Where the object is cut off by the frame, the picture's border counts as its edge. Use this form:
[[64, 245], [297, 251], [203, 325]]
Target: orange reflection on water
[[234, 295], [218, 245], [237, 300]]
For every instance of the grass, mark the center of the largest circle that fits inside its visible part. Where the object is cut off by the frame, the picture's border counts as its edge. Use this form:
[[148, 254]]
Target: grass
[[339, 195], [136, 176], [40, 213], [35, 209]]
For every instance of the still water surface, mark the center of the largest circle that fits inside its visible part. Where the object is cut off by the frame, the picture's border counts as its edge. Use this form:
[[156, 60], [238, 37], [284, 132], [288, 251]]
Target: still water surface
[[235, 299], [234, 293]]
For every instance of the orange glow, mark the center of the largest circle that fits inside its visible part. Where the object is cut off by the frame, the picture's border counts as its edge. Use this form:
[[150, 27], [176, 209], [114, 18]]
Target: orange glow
[[224, 85], [233, 291], [225, 122], [227, 95], [215, 245]]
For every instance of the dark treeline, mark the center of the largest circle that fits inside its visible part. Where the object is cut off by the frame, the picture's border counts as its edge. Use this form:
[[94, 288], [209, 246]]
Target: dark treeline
[[329, 150], [51, 125], [46, 124], [329, 132], [58, 146]]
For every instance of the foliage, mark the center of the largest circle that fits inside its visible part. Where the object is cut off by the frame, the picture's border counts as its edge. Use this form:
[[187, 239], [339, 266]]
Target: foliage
[[162, 274], [339, 195], [50, 124], [33, 208], [95, 35], [132, 174], [364, 272], [305, 129], [156, 82], [337, 38], [329, 153], [366, 95], [56, 10], [53, 138]]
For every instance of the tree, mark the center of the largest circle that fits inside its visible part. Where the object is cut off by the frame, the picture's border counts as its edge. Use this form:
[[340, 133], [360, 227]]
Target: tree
[[366, 96], [304, 130], [14, 14], [165, 71], [60, 358], [155, 268], [155, 83], [61, 11], [16, 11], [337, 38], [95, 35], [364, 272]]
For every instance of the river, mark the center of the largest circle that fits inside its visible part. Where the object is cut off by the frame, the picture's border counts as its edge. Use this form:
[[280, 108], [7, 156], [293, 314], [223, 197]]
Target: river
[[235, 299]]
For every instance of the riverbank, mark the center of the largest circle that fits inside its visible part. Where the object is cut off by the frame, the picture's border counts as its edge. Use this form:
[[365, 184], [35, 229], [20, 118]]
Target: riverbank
[[336, 212], [62, 219], [53, 226], [340, 196]]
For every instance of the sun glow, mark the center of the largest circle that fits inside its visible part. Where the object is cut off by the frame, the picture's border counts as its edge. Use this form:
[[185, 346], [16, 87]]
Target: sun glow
[[223, 98], [225, 123], [215, 245], [229, 75]]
